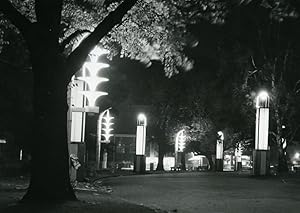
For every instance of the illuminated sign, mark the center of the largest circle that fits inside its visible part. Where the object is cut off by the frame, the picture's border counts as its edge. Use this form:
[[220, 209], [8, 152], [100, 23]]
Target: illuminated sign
[[180, 141]]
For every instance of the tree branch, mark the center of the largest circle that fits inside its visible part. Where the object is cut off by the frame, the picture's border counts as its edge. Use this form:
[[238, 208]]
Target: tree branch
[[77, 57], [14, 16], [71, 37]]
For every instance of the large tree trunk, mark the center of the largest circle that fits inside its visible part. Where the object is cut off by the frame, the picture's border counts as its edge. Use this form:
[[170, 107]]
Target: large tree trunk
[[282, 160], [182, 161], [282, 155], [49, 149], [161, 154]]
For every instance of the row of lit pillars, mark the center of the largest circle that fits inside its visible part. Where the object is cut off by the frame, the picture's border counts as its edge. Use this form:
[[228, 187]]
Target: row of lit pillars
[[261, 152]]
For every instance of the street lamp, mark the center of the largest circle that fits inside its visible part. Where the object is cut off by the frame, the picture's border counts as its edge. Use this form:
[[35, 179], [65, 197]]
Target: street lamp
[[140, 158], [82, 97], [219, 152], [260, 162], [104, 119], [238, 157], [179, 147]]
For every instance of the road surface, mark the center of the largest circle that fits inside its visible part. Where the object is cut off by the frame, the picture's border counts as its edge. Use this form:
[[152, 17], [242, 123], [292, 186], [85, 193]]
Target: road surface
[[209, 192]]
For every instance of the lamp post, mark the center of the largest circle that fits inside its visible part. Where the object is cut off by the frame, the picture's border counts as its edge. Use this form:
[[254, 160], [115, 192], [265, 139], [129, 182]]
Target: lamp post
[[238, 157], [179, 147], [82, 99], [260, 154], [104, 119], [140, 158], [219, 152]]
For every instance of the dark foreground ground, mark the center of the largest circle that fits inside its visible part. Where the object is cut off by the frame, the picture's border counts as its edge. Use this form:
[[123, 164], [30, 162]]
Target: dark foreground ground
[[169, 192], [93, 198], [210, 192]]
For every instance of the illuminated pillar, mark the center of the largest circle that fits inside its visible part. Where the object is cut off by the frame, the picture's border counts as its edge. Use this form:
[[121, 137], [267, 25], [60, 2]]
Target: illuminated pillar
[[104, 120], [104, 161], [260, 154], [82, 98], [140, 158], [238, 157], [219, 152], [179, 147]]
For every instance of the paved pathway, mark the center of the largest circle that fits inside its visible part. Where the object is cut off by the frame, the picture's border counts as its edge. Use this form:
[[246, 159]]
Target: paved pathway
[[209, 192]]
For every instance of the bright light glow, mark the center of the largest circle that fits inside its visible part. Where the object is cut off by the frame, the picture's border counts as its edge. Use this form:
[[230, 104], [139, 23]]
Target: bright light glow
[[221, 135], [107, 123], [93, 68], [92, 96], [219, 146], [262, 129], [93, 82], [141, 134], [105, 119], [297, 155], [96, 52], [142, 120], [262, 99], [284, 144], [21, 155], [180, 141], [238, 153]]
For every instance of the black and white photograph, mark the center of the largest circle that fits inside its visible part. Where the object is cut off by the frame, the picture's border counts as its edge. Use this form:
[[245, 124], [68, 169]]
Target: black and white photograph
[[149, 106]]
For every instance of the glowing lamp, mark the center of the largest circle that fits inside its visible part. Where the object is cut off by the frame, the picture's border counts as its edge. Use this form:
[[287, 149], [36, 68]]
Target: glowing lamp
[[96, 52], [262, 121], [180, 141], [141, 134], [93, 82], [262, 100], [107, 124], [93, 68], [92, 96], [219, 148]]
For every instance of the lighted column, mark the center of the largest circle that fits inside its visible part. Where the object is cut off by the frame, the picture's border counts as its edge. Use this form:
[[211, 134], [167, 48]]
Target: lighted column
[[179, 147], [103, 129], [83, 97], [140, 158], [104, 161], [238, 157], [260, 154], [219, 152]]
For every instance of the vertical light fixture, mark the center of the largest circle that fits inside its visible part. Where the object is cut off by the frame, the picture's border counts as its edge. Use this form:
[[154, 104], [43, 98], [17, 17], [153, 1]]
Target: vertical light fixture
[[260, 154], [179, 147], [238, 157], [140, 159], [104, 120], [93, 80], [84, 96], [219, 152]]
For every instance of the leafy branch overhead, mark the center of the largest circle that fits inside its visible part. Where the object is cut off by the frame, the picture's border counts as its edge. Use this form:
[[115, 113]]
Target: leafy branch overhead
[[152, 30]]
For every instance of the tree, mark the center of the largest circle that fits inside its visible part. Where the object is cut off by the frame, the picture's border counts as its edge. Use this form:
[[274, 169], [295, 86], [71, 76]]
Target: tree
[[268, 59], [52, 72]]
